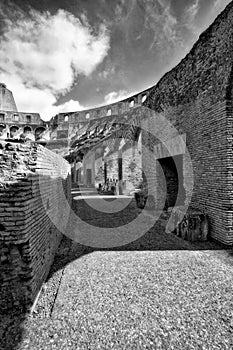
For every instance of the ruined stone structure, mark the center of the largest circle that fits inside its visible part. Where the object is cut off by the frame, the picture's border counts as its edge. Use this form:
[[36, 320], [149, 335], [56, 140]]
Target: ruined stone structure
[[65, 128], [33, 183], [14, 124], [196, 97], [7, 102], [110, 151]]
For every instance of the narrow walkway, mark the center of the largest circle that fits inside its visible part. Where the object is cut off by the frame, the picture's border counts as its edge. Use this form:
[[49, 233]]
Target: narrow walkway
[[159, 292]]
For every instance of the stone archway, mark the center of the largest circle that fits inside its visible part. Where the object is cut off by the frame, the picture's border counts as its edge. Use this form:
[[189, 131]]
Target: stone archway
[[13, 131], [173, 173], [169, 177], [38, 132], [27, 129]]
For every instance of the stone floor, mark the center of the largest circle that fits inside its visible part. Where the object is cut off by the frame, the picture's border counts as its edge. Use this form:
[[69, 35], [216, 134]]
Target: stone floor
[[158, 292]]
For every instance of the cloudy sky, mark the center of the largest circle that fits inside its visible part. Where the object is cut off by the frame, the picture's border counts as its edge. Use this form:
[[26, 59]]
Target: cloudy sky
[[59, 56]]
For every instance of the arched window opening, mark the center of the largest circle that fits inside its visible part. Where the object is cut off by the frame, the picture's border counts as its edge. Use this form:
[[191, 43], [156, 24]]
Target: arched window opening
[[38, 132], [16, 117], [13, 131], [131, 104], [27, 130], [144, 98], [28, 118]]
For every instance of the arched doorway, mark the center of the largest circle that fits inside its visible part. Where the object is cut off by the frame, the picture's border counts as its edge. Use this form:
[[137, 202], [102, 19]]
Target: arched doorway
[[27, 130], [13, 131], [38, 132]]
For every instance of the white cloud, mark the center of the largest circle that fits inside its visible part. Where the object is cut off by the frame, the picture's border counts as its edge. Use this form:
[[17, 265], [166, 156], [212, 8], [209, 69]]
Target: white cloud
[[70, 106], [191, 11], [42, 54], [137, 17], [191, 17], [106, 73], [116, 96], [160, 19]]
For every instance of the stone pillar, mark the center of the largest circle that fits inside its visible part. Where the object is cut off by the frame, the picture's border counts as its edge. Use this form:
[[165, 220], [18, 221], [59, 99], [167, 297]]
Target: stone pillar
[[75, 171]]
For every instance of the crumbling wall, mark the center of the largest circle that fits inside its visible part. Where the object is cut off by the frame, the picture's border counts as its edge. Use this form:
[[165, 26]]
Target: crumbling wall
[[206, 69], [33, 183], [195, 97]]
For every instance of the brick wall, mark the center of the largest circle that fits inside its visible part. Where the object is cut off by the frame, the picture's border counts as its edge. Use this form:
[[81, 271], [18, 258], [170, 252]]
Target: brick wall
[[206, 69], [33, 184], [196, 97]]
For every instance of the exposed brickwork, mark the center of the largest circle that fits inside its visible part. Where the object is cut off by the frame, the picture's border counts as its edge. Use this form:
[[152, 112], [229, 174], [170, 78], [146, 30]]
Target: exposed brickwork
[[32, 183], [196, 98], [207, 69]]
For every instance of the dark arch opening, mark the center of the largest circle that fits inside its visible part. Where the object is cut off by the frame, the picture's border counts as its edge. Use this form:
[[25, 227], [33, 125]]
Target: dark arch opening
[[38, 132], [13, 130], [2, 227], [27, 129]]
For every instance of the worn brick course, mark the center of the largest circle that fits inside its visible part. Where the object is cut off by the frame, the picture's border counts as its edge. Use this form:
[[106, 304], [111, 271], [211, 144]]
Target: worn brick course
[[31, 175], [196, 97]]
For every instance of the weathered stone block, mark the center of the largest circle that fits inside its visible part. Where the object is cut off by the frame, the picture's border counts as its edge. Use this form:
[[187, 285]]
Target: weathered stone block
[[192, 225]]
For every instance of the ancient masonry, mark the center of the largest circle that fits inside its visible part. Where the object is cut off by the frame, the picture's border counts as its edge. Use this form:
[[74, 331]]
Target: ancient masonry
[[14, 124], [32, 213], [195, 97]]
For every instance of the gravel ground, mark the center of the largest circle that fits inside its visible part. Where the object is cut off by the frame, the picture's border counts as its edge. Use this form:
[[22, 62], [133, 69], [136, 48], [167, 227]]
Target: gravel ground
[[170, 294]]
